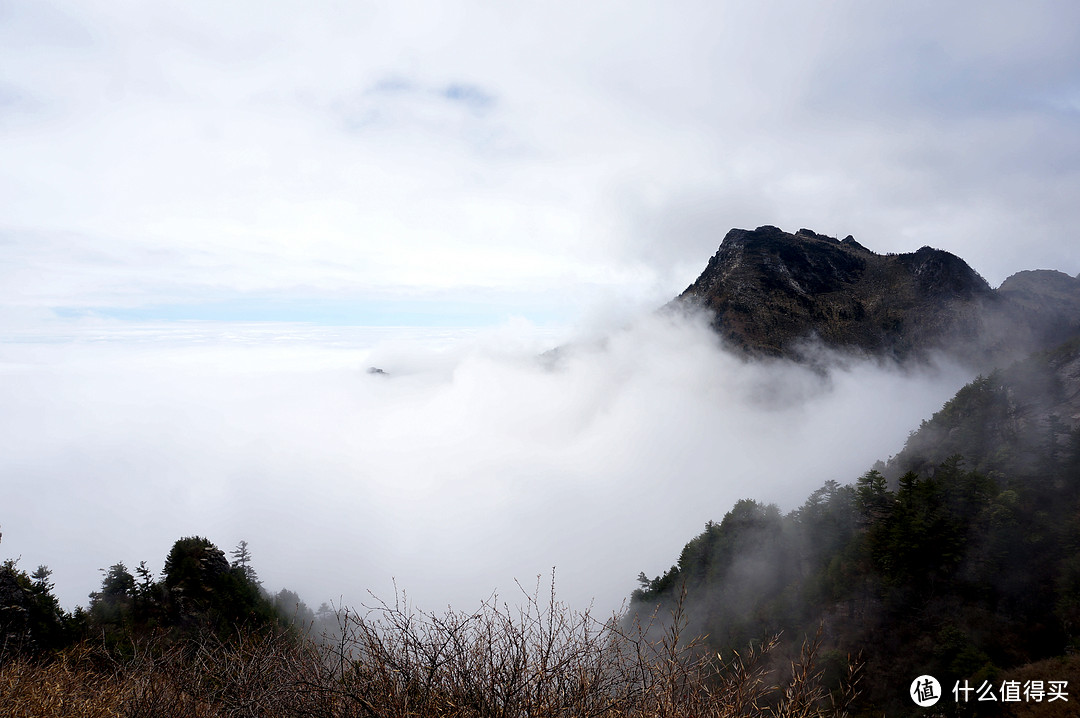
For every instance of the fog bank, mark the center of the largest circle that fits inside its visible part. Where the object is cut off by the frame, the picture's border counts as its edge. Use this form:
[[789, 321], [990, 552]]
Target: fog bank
[[474, 461]]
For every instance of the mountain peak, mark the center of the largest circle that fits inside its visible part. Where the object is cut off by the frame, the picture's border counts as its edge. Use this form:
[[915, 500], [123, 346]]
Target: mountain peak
[[770, 291]]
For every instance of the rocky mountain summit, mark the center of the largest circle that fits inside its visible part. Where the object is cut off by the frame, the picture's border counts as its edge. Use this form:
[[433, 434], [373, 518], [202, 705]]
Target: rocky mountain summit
[[773, 292]]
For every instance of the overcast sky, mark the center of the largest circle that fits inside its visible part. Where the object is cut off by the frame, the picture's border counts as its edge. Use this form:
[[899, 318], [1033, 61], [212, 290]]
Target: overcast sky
[[352, 161], [190, 190]]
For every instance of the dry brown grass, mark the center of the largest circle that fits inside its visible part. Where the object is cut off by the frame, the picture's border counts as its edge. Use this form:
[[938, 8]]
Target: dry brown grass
[[59, 688], [538, 659]]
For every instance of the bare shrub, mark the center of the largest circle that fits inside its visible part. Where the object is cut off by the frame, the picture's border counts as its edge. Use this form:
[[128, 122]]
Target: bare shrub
[[536, 658], [543, 659]]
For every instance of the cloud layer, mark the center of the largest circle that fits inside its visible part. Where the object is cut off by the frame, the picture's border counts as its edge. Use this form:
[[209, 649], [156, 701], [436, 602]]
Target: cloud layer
[[472, 464]]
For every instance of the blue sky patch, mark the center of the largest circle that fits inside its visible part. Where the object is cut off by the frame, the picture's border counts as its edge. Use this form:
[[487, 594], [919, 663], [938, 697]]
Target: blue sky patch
[[327, 312], [469, 95]]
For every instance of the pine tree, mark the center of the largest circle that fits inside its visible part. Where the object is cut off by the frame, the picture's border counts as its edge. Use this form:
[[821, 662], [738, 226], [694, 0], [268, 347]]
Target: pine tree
[[41, 579], [242, 560]]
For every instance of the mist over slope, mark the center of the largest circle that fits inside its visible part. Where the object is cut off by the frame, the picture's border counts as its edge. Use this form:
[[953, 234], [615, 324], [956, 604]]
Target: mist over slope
[[956, 558], [1012, 421]]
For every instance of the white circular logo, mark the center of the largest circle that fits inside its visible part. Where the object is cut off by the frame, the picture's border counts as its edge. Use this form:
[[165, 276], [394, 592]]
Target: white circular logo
[[925, 691]]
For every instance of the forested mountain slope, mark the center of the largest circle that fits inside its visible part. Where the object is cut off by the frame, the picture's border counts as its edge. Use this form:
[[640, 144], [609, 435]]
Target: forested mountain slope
[[960, 557]]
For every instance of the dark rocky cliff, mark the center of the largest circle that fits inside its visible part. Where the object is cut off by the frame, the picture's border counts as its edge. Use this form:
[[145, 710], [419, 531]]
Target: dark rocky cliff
[[772, 291]]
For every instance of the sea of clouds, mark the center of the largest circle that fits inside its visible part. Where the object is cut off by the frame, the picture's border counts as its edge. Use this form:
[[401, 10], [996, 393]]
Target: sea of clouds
[[478, 460]]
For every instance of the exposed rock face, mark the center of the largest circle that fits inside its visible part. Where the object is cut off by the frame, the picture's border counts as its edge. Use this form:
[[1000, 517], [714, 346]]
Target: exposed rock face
[[771, 291]]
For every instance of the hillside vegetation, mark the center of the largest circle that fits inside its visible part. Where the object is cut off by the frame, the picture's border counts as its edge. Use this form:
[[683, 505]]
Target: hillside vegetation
[[204, 641]]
